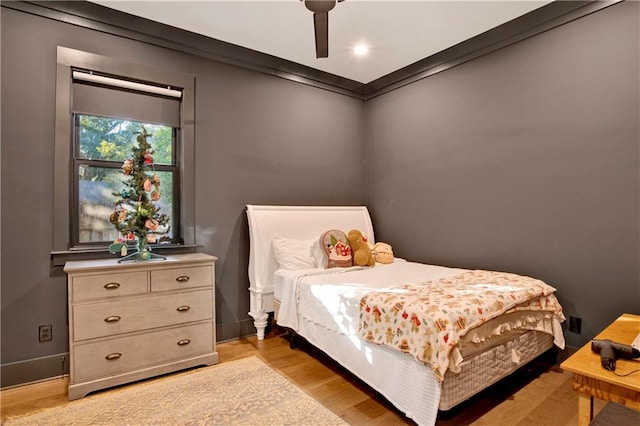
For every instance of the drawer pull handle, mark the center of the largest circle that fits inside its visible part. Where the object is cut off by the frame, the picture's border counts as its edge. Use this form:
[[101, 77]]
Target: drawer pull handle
[[112, 286], [183, 308], [113, 318], [182, 278], [184, 342], [113, 356]]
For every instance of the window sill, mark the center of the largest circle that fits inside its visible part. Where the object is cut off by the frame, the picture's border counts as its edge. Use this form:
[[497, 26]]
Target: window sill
[[59, 258]]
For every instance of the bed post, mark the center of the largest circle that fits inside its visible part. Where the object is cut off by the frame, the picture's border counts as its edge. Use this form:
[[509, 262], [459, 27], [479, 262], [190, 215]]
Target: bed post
[[260, 289], [260, 316]]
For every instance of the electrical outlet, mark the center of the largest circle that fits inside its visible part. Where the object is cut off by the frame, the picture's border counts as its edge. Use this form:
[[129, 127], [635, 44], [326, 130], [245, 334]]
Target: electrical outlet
[[44, 333], [575, 324]]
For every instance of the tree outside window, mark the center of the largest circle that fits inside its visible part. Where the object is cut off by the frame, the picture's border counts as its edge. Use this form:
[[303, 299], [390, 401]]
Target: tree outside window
[[102, 144]]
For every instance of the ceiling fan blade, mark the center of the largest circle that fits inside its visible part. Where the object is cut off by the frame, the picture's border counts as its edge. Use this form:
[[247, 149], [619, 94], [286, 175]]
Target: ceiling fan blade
[[321, 27]]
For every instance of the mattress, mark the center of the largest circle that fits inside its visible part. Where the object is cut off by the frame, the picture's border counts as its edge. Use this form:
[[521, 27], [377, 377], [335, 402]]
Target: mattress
[[414, 389], [323, 307], [472, 345], [331, 297]]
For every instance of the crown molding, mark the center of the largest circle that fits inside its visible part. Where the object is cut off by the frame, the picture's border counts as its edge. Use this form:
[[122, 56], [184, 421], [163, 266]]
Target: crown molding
[[100, 18], [533, 23]]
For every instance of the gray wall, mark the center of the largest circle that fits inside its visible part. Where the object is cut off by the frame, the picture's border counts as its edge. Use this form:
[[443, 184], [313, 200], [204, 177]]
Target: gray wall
[[525, 160], [259, 139]]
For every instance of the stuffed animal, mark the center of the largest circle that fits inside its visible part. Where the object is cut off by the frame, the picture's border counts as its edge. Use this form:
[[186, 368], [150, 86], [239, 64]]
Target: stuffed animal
[[361, 253], [383, 253], [337, 253]]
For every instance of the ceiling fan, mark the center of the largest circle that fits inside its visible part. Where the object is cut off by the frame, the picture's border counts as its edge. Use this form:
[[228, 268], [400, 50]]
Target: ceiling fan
[[320, 9]]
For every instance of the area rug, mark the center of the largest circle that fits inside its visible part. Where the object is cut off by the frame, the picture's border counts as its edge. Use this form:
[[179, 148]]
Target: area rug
[[242, 392]]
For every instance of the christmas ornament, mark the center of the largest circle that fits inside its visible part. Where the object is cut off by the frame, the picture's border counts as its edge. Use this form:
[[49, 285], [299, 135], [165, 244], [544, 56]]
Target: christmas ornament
[[127, 167], [147, 158]]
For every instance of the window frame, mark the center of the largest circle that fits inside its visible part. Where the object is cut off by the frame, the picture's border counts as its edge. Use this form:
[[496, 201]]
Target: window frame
[[69, 59]]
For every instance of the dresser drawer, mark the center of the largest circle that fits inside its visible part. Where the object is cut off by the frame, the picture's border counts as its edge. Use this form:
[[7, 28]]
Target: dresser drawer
[[93, 320], [130, 353], [108, 285], [180, 278]]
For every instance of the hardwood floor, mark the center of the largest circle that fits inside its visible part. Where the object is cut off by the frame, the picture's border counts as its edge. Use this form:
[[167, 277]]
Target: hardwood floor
[[539, 394]]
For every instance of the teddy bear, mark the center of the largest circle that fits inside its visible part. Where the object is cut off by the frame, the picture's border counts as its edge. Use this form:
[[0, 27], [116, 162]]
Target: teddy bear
[[360, 249], [383, 253]]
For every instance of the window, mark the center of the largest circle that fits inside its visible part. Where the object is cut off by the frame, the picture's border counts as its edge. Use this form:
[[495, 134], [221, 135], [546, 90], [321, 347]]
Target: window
[[96, 123], [100, 147]]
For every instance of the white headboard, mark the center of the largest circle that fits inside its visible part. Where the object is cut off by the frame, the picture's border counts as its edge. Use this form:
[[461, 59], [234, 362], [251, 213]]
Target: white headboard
[[299, 222]]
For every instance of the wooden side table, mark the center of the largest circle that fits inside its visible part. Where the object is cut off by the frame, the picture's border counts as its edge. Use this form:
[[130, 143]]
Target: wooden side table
[[593, 381]]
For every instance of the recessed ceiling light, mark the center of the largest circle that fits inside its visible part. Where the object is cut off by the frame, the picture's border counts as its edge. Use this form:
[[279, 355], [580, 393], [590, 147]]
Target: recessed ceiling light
[[361, 49]]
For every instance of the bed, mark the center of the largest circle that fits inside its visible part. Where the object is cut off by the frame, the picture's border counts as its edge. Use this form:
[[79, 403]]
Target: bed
[[341, 311]]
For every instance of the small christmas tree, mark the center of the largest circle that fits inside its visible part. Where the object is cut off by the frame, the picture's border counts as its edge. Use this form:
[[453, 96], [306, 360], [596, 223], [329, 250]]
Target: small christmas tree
[[135, 216]]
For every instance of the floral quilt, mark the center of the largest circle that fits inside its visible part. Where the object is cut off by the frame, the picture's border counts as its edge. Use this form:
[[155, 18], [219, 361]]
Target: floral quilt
[[428, 320]]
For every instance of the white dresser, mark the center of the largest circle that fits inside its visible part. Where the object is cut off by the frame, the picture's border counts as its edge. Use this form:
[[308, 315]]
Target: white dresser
[[133, 320]]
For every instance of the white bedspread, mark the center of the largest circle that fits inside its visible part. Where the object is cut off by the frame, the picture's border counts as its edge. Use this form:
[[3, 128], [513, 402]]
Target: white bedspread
[[330, 298], [416, 391]]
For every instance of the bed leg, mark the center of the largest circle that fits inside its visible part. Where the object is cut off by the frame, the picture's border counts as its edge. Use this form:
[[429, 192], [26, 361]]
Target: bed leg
[[260, 322], [293, 339]]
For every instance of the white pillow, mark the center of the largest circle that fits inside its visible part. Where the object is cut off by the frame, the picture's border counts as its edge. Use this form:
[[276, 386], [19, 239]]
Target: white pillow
[[294, 254]]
